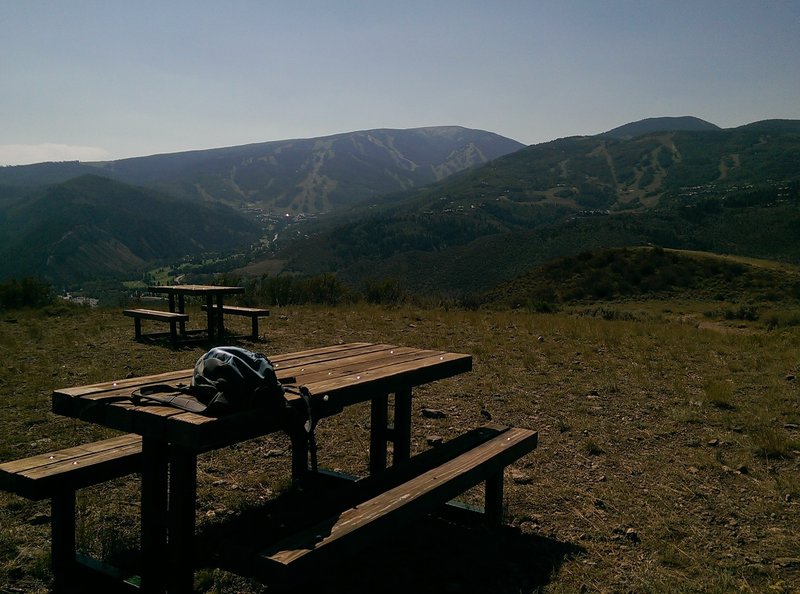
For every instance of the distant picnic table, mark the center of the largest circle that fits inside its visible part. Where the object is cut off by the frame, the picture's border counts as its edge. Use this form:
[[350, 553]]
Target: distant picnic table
[[212, 293]]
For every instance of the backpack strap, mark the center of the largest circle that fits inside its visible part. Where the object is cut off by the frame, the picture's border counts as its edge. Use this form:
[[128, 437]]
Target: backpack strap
[[309, 422], [177, 396]]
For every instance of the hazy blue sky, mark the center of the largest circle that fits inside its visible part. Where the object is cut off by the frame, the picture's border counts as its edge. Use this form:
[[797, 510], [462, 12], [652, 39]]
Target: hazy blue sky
[[107, 79]]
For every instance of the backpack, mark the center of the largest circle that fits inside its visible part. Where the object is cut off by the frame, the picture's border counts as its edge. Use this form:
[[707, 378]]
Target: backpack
[[225, 379], [229, 379], [232, 378]]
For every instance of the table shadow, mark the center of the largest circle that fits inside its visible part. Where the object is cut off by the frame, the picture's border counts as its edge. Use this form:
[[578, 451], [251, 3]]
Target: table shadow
[[434, 556], [438, 555]]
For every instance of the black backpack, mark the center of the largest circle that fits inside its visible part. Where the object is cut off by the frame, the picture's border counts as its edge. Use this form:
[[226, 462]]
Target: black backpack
[[232, 378], [225, 379], [229, 379]]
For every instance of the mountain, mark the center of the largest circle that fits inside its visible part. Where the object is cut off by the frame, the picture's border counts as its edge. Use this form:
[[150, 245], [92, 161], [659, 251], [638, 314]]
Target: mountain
[[734, 191], [295, 176], [731, 191], [664, 124], [90, 227]]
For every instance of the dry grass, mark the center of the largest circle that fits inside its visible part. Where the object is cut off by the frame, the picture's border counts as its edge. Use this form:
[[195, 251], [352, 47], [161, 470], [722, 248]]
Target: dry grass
[[668, 457]]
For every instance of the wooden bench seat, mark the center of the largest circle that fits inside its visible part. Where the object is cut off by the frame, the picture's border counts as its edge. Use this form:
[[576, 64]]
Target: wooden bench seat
[[57, 475], [159, 316], [426, 482], [39, 477], [254, 313]]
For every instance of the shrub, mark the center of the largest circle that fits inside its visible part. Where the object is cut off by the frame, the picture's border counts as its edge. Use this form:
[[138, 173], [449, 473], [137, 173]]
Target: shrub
[[323, 289], [29, 292], [744, 312], [719, 394], [592, 448], [387, 291], [542, 306]]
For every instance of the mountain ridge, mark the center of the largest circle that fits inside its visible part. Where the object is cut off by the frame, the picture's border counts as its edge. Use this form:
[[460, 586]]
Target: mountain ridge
[[309, 175], [660, 124]]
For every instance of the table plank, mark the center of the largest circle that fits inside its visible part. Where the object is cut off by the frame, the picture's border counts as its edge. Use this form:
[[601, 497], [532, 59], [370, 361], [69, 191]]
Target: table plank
[[358, 361], [431, 366], [332, 351], [358, 366], [132, 383]]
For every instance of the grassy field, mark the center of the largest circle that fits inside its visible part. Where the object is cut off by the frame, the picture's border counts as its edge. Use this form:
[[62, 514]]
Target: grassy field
[[669, 451]]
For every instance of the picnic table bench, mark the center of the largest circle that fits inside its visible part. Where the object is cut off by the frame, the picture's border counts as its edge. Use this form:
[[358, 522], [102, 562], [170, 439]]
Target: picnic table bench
[[336, 376], [254, 313], [379, 504], [173, 318], [58, 475]]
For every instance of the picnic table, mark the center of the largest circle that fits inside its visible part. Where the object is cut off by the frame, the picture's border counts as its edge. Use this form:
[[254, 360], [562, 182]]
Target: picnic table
[[215, 320], [336, 376]]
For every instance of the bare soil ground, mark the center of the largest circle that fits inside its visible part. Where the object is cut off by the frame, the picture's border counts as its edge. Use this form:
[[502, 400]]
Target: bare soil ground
[[668, 458]]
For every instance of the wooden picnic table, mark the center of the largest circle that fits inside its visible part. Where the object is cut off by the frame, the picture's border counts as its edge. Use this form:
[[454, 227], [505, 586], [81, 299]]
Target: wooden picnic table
[[214, 311], [336, 376]]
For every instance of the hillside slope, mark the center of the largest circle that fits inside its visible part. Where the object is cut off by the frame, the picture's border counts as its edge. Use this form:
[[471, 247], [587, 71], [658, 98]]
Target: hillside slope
[[646, 273], [91, 228], [733, 191]]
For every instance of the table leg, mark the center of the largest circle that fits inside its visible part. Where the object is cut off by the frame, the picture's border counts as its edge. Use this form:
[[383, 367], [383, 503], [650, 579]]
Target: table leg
[[299, 439], [493, 499], [210, 316], [182, 309], [182, 496], [62, 547], [154, 514], [402, 426], [220, 318], [379, 418]]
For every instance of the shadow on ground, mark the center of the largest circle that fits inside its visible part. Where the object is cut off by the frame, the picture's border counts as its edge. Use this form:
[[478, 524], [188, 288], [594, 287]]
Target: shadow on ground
[[434, 555], [438, 557]]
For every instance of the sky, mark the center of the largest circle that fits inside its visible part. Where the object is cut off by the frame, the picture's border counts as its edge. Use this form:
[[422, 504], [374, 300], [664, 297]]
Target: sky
[[108, 79]]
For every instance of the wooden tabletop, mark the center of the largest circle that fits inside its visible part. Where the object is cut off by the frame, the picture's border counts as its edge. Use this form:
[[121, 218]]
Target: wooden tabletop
[[195, 289], [336, 376]]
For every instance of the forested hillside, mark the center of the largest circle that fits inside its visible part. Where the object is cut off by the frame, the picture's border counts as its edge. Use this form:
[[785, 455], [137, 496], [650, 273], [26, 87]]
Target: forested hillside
[[730, 191], [91, 228]]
